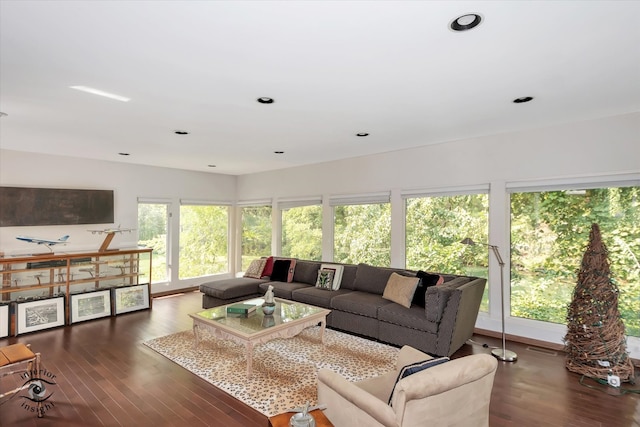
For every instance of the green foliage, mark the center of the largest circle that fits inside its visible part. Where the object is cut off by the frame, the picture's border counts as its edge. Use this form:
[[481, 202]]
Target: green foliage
[[362, 234], [436, 225], [203, 240], [152, 233], [302, 232], [256, 233], [434, 228]]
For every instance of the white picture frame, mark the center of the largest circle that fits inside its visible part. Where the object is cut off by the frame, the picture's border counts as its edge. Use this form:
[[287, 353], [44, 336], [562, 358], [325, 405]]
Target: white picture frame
[[40, 314], [5, 320], [130, 298], [89, 306]]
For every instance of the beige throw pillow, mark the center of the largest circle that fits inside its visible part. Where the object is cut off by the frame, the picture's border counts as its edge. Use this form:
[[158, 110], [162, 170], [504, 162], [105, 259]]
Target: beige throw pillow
[[255, 268], [400, 289]]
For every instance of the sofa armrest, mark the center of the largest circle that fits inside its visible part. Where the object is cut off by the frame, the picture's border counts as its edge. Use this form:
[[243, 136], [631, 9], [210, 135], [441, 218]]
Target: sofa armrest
[[459, 316], [348, 404], [435, 301]]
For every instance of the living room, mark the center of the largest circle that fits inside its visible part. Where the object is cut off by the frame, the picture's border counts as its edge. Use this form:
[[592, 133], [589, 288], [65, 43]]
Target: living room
[[590, 151]]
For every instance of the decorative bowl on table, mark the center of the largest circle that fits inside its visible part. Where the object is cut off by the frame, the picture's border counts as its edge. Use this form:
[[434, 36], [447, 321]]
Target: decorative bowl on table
[[268, 308], [302, 420]]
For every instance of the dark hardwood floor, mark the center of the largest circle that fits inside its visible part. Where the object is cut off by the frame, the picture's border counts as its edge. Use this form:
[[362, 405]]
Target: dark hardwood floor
[[105, 376]]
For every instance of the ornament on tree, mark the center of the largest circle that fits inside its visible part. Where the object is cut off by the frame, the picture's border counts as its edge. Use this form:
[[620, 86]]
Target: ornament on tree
[[595, 342]]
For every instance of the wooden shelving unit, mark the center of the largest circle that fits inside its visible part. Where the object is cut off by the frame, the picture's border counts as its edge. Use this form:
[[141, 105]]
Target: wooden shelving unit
[[38, 277]]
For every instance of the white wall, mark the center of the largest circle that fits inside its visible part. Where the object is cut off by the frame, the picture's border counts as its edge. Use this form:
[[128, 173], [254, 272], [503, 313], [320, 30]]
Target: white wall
[[128, 182], [591, 148]]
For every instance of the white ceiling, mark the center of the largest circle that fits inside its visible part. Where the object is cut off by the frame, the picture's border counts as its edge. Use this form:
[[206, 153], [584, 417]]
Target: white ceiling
[[335, 68]]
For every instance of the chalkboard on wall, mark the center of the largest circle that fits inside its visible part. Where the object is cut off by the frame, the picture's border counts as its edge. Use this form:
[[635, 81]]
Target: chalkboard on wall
[[22, 206]]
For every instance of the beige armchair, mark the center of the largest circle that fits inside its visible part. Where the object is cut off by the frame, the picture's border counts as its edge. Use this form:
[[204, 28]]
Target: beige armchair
[[455, 393]]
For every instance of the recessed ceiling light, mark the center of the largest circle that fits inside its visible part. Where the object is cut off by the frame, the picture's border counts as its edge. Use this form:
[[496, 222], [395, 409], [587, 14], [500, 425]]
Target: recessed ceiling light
[[465, 22], [522, 100], [265, 100], [123, 154], [362, 134], [101, 93], [279, 152], [181, 132]]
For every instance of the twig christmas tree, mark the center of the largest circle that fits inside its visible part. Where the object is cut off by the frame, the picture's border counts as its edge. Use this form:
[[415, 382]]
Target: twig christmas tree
[[595, 342]]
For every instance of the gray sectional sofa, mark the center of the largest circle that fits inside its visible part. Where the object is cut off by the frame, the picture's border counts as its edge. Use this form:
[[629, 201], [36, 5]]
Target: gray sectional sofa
[[440, 328]]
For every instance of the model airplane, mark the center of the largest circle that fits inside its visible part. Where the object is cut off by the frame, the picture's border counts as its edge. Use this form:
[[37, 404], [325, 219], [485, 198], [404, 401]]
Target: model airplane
[[47, 242], [112, 230]]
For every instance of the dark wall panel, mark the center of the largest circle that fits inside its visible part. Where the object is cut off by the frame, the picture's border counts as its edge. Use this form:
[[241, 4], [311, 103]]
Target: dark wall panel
[[20, 206]]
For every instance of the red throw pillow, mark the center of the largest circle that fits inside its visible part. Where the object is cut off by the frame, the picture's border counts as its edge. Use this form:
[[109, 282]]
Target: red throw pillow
[[268, 267]]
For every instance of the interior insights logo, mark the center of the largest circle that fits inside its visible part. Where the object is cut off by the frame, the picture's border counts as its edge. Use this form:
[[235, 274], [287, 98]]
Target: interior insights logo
[[33, 389]]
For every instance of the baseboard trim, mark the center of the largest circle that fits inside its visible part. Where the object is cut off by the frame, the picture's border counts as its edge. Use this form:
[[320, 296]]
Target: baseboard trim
[[531, 342], [519, 339], [175, 291]]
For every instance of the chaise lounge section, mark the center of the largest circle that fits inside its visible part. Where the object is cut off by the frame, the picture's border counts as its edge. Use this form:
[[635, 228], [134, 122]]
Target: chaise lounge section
[[435, 319]]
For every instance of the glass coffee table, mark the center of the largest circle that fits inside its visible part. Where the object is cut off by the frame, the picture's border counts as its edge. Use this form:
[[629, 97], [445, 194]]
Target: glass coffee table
[[289, 319]]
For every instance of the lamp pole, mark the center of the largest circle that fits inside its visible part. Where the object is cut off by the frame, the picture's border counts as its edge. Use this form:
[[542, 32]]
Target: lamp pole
[[501, 353]]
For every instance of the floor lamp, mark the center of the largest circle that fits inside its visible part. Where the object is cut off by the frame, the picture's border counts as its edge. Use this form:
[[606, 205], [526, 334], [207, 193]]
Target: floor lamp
[[501, 353]]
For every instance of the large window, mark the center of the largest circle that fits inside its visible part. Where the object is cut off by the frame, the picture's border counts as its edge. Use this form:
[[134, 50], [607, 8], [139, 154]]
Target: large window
[[549, 233], [362, 233], [153, 219], [436, 225], [203, 240], [302, 232], [256, 233]]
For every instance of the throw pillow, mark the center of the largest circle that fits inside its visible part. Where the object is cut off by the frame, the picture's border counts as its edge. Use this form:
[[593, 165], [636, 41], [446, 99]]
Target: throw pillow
[[400, 289], [268, 267], [426, 280], [415, 368], [292, 269], [325, 278], [280, 271], [337, 276], [255, 268]]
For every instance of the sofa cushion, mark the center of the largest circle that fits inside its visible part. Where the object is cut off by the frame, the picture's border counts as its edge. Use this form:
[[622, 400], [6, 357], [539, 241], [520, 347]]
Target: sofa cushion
[[255, 268], [315, 296], [426, 280], [348, 276], [414, 368], [231, 288], [411, 318], [306, 271], [360, 303], [371, 279], [400, 289], [282, 289]]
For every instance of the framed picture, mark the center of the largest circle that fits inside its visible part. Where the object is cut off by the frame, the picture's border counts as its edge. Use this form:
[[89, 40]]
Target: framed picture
[[90, 305], [130, 298], [4, 320], [39, 314]]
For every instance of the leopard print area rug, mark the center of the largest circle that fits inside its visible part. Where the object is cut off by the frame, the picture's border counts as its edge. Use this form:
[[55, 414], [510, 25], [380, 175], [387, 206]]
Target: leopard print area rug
[[285, 371]]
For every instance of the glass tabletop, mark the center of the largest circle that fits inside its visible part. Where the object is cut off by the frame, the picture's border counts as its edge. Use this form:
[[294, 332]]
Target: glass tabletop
[[285, 312]]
